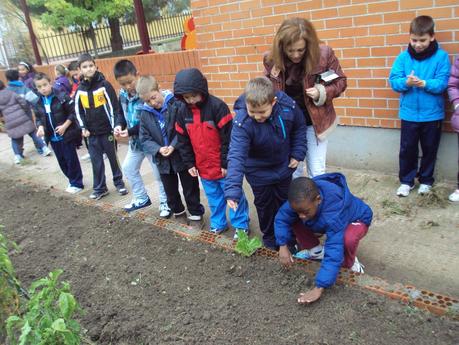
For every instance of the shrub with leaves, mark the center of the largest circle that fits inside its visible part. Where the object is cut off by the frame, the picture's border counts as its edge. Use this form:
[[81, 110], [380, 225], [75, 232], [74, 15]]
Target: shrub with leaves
[[48, 315], [9, 298], [246, 246]]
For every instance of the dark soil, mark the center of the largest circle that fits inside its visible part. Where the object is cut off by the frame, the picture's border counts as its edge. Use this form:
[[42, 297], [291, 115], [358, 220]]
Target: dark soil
[[142, 285]]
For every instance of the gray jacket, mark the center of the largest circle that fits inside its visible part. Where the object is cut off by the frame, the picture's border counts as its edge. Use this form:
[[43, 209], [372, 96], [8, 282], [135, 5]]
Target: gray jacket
[[15, 112]]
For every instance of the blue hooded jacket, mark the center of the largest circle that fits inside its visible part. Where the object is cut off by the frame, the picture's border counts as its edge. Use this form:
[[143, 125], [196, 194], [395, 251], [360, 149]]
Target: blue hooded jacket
[[336, 211], [262, 151]]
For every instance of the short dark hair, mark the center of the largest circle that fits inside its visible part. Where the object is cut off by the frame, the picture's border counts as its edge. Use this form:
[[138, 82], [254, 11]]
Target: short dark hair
[[124, 67], [73, 65], [12, 74], [27, 65], [422, 25], [2, 85], [85, 57], [40, 76], [301, 189]]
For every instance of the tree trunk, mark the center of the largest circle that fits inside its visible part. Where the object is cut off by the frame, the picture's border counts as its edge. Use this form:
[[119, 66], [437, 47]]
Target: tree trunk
[[92, 37], [116, 40]]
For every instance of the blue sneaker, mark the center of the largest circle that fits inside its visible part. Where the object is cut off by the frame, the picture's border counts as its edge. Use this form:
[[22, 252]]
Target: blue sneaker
[[316, 253], [136, 205]]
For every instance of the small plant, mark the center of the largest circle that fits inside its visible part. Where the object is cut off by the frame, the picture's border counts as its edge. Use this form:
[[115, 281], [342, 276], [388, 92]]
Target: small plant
[[9, 298], [392, 207], [246, 246], [48, 315]]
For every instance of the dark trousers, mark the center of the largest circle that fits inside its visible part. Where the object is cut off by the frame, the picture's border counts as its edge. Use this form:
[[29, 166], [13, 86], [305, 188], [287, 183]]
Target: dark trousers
[[413, 133], [268, 199], [98, 145], [69, 163], [190, 187]]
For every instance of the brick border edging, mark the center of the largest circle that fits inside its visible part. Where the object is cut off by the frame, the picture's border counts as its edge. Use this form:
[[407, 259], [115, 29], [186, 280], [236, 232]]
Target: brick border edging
[[438, 304]]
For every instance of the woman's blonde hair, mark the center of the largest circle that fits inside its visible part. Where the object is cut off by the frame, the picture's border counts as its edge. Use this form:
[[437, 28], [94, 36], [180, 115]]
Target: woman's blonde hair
[[291, 31]]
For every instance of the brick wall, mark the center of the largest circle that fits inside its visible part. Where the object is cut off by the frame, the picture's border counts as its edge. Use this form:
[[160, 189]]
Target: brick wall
[[366, 37]]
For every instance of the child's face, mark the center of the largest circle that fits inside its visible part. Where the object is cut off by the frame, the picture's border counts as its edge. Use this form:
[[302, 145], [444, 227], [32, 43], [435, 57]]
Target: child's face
[[22, 70], [128, 82], [75, 74], [306, 209], [296, 50], [192, 97], [262, 112], [44, 87], [420, 43], [153, 98], [88, 69]]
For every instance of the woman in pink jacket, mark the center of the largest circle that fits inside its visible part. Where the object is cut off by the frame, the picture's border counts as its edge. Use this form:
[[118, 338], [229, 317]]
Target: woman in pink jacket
[[453, 92], [310, 73]]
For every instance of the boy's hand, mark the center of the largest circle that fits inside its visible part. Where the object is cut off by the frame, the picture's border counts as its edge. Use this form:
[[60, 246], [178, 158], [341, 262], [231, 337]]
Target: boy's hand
[[293, 163], [124, 133], [40, 131], [313, 93], [60, 129], [285, 257], [164, 150], [310, 296], [224, 172], [85, 133], [232, 204], [420, 83], [117, 130], [193, 172], [411, 79]]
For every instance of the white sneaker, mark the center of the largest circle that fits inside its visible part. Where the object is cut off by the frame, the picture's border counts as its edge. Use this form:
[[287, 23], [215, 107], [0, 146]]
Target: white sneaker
[[404, 190], [18, 159], [86, 157], [357, 266], [45, 151], [424, 189], [164, 210], [454, 196], [73, 190], [194, 218]]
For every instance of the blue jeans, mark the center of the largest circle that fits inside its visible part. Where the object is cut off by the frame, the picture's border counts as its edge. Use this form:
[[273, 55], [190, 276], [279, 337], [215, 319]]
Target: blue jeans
[[214, 190], [131, 169], [18, 144]]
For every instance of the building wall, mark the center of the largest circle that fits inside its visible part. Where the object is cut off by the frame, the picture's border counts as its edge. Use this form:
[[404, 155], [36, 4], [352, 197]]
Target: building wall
[[366, 37]]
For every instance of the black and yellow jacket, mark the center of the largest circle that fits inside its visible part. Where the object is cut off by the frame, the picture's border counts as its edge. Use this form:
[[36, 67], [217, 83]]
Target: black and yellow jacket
[[96, 105]]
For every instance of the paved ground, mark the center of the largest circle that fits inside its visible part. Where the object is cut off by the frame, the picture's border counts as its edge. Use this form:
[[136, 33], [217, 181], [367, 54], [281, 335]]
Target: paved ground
[[412, 241]]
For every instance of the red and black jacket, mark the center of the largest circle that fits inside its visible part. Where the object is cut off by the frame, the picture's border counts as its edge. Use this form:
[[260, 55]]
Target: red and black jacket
[[203, 129]]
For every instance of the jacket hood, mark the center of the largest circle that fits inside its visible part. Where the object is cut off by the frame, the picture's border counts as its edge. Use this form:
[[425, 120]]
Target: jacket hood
[[190, 80], [167, 98]]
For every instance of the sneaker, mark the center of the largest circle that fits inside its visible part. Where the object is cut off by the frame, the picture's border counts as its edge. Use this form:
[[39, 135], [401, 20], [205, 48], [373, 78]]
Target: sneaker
[[73, 190], [235, 237], [45, 151], [86, 157], [98, 195], [180, 214], [404, 190], [136, 205], [424, 189], [316, 253], [194, 217], [122, 190], [217, 231], [164, 210], [454, 197], [18, 159], [357, 266]]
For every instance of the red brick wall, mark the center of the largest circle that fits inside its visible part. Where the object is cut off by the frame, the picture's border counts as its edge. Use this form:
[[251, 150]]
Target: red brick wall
[[366, 37]]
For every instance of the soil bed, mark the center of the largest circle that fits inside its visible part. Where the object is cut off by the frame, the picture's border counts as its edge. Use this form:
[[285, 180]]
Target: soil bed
[[141, 285]]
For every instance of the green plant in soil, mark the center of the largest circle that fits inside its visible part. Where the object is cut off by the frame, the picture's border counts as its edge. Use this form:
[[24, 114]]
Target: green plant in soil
[[9, 298], [392, 207], [246, 246], [47, 318]]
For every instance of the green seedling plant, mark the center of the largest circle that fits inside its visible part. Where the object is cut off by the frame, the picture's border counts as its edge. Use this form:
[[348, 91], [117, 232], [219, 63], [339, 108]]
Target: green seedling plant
[[47, 318], [9, 297], [245, 246]]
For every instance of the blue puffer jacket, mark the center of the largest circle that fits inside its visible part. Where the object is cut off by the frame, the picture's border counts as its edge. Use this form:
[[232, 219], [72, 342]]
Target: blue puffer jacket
[[263, 150], [421, 104], [336, 211]]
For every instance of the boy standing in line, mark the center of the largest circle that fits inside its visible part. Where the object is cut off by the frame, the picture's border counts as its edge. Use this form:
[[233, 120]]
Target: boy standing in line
[[420, 74], [97, 107], [128, 126], [204, 125]]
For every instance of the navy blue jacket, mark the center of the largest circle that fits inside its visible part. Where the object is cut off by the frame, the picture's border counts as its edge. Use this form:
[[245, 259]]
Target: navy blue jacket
[[262, 151], [337, 210]]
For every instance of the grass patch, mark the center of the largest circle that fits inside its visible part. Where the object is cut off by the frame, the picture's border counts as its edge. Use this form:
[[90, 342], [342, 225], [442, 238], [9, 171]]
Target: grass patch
[[394, 208], [436, 198]]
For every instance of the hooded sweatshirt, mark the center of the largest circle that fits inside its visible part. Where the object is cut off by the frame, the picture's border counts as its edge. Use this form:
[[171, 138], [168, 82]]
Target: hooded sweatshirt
[[337, 210], [203, 129]]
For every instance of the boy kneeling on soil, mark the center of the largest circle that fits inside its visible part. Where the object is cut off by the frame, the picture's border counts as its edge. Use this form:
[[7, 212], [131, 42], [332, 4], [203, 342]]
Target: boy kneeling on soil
[[322, 205]]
